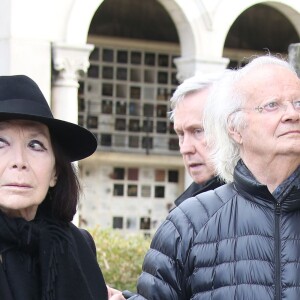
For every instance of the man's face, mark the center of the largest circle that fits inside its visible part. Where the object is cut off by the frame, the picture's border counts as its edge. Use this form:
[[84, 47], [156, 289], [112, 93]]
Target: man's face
[[189, 128], [271, 133]]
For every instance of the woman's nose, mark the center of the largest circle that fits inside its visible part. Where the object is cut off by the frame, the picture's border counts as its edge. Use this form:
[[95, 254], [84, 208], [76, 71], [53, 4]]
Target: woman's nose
[[19, 160]]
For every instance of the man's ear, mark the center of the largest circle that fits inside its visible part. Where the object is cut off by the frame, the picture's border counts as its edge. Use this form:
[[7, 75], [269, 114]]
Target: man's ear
[[235, 135], [234, 132]]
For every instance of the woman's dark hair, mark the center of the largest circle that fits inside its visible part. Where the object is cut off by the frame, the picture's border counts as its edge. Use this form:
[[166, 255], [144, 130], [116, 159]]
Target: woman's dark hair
[[62, 199]]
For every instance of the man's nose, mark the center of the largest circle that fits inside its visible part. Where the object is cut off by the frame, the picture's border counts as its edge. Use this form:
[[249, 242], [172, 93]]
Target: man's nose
[[187, 145], [290, 113]]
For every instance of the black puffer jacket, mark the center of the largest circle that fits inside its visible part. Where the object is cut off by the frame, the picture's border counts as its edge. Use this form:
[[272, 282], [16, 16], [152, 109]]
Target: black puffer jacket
[[236, 242], [195, 189]]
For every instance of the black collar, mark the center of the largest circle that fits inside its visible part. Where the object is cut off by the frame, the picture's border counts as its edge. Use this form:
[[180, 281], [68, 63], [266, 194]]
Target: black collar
[[287, 193]]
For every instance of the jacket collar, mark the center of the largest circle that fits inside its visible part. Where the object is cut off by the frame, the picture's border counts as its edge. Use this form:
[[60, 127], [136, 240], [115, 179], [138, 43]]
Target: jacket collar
[[195, 189], [287, 193]]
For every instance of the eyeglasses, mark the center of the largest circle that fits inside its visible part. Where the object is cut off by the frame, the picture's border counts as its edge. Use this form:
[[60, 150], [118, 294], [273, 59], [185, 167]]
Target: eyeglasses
[[275, 106]]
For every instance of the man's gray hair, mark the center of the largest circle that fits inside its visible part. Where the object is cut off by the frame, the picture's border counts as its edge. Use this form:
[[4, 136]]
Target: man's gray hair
[[223, 109], [189, 86]]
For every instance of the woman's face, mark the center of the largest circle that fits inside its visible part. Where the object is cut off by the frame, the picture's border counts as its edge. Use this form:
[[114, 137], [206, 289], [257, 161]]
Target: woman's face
[[27, 167]]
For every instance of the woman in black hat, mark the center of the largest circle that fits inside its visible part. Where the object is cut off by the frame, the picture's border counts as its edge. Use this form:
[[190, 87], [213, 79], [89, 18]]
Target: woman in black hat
[[42, 254]]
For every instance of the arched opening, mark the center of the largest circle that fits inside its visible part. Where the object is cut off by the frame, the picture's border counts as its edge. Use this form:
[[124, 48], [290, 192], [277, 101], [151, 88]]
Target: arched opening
[[131, 77], [134, 19], [124, 101], [259, 29]]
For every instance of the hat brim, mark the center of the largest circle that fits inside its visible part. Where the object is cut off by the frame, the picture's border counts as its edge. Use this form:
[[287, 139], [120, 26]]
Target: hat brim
[[76, 141]]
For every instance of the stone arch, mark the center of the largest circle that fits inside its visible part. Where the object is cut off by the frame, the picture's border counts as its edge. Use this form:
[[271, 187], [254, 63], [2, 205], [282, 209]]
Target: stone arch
[[183, 26], [290, 11], [82, 12], [225, 16]]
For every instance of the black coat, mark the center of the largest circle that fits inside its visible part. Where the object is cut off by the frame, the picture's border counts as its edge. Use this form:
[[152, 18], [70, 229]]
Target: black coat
[[236, 242], [195, 189], [45, 259]]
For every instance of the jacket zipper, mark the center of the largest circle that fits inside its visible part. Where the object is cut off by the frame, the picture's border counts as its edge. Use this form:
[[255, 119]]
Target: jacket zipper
[[277, 251]]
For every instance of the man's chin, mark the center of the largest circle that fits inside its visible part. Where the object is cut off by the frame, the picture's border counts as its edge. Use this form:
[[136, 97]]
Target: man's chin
[[200, 179]]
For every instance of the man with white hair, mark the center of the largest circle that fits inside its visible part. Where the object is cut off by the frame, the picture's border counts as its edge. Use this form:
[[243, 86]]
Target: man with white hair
[[187, 104], [241, 240]]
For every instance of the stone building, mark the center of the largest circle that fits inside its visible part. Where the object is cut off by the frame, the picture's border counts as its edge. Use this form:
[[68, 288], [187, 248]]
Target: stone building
[[112, 65]]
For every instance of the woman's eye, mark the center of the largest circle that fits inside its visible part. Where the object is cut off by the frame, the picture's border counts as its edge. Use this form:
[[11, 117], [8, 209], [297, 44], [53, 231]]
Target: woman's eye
[[2, 142], [37, 145]]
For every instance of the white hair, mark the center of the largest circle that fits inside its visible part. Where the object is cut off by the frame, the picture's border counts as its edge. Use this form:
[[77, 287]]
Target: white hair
[[189, 86], [223, 108]]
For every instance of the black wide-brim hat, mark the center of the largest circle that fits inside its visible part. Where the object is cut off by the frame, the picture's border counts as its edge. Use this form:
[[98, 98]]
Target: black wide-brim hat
[[21, 98]]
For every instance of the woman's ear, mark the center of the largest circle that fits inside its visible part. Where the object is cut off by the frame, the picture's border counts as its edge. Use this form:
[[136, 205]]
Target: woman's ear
[[53, 180]]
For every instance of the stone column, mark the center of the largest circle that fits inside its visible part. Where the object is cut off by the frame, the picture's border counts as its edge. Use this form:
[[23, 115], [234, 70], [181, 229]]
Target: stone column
[[294, 56], [68, 61], [190, 66]]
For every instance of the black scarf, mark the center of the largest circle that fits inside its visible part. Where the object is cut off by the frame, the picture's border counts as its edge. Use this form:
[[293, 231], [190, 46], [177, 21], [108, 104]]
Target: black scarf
[[47, 260]]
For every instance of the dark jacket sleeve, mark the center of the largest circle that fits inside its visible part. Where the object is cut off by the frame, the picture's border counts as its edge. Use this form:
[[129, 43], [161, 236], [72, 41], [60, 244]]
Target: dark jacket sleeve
[[163, 275], [89, 239]]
